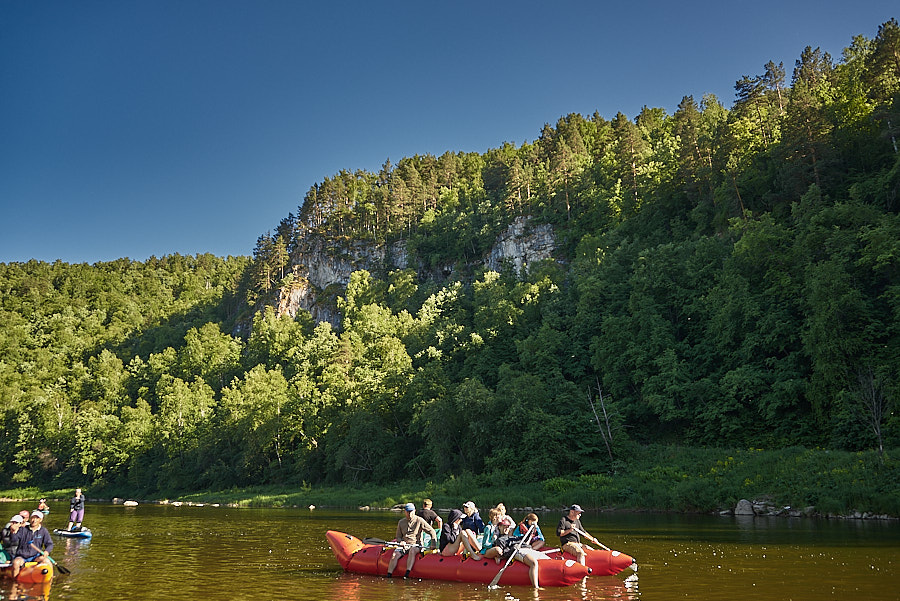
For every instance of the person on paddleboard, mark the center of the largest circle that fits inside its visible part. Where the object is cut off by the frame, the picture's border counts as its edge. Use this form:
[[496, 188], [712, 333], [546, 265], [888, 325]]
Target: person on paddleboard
[[76, 510]]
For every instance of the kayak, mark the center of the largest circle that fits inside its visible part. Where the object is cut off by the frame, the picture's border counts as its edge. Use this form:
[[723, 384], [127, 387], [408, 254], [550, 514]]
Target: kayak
[[600, 561], [31, 573], [358, 557], [83, 533]]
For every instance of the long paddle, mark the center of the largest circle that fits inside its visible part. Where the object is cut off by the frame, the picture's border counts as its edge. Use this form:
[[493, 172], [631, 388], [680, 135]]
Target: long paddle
[[589, 537], [511, 557], [63, 569], [391, 543], [386, 543]]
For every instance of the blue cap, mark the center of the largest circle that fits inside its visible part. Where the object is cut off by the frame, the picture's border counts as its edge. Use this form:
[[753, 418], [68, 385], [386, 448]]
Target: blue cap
[[410, 507]]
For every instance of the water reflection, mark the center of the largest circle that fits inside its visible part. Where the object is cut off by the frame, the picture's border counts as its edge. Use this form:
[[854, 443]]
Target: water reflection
[[352, 587], [19, 592]]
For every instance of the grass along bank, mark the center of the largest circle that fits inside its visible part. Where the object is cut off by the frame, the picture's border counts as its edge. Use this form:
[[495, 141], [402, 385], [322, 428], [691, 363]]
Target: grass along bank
[[655, 478]]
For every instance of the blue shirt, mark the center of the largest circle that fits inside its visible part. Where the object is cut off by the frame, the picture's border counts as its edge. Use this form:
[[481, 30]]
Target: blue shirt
[[473, 523]]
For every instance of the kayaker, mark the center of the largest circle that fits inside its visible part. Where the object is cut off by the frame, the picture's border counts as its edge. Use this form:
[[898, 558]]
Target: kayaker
[[8, 538], [472, 525], [409, 534], [452, 539], [27, 538], [76, 510], [43, 507], [567, 530], [537, 537]]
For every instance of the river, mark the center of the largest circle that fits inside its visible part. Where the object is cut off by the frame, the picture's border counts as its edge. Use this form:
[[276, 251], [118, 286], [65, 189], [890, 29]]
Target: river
[[155, 552]]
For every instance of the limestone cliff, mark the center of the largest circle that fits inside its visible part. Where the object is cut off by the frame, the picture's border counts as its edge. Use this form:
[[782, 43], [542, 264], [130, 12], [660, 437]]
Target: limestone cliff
[[321, 267]]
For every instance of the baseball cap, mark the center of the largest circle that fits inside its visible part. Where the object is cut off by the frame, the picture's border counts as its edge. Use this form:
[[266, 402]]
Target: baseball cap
[[39, 514], [410, 507], [470, 505], [17, 519], [577, 508]]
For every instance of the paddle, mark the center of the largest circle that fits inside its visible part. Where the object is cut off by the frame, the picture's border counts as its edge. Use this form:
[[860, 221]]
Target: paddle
[[62, 569], [511, 557], [390, 543], [589, 537]]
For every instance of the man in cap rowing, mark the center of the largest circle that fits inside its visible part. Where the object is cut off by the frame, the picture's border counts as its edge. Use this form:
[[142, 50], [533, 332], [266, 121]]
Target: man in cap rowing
[[409, 535], [568, 528]]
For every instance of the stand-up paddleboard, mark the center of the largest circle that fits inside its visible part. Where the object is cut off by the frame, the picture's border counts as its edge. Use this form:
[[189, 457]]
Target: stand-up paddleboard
[[83, 533]]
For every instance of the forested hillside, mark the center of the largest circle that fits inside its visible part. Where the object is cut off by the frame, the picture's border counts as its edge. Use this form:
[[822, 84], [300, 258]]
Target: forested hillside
[[724, 277]]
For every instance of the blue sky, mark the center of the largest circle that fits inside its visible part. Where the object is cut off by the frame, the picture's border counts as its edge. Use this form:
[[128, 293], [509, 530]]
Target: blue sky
[[139, 128]]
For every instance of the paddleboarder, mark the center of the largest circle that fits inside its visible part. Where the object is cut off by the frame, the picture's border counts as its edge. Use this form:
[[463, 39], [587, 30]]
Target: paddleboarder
[[76, 510]]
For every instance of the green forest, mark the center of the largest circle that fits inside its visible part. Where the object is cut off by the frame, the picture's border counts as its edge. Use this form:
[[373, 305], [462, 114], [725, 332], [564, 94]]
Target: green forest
[[724, 279]]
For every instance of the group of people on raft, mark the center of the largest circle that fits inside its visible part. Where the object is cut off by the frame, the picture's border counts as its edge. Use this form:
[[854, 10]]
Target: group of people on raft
[[499, 539], [24, 538]]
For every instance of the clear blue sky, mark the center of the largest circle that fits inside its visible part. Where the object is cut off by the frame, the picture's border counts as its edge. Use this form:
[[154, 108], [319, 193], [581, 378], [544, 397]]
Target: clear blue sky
[[135, 128]]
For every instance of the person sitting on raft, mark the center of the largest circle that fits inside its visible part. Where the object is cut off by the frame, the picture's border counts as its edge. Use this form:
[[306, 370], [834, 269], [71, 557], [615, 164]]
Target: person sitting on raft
[[519, 548], [567, 530], [472, 525], [505, 517], [490, 529], [452, 539], [409, 534], [537, 538]]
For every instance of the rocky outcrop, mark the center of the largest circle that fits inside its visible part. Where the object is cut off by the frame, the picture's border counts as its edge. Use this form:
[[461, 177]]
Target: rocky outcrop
[[521, 245], [321, 267]]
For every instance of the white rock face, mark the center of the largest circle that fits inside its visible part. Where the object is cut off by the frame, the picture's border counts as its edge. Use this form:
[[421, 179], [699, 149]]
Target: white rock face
[[319, 264], [522, 246]]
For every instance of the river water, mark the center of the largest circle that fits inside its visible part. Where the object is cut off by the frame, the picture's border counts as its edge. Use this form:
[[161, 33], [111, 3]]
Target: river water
[[156, 552]]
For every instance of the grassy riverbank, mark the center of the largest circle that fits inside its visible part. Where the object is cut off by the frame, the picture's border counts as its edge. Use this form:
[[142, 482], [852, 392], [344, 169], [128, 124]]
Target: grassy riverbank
[[654, 478]]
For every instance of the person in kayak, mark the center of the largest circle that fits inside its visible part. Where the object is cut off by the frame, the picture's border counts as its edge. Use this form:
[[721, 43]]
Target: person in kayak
[[452, 539], [27, 538], [409, 535], [76, 510], [567, 530], [7, 538]]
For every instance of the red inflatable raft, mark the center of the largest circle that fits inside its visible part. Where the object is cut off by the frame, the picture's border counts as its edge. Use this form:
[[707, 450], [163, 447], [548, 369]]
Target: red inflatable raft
[[601, 562], [361, 558]]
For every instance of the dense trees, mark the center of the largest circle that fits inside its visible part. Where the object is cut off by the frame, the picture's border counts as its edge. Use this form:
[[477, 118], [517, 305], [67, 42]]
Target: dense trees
[[726, 277]]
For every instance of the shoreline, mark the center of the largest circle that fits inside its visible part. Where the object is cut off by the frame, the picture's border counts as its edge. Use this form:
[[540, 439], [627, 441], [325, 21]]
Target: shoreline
[[760, 508]]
